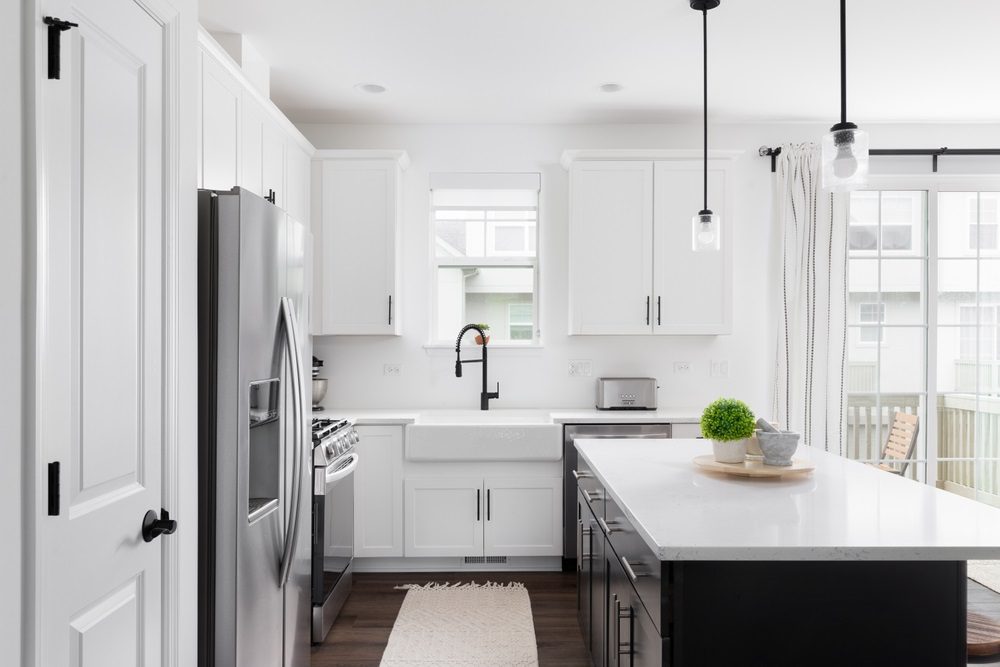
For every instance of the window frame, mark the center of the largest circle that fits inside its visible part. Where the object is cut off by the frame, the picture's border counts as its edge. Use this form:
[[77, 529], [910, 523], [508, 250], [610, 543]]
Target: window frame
[[499, 260], [934, 185], [876, 324]]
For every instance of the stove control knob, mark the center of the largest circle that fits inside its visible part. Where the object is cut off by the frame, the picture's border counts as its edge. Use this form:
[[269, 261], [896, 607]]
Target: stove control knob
[[355, 438]]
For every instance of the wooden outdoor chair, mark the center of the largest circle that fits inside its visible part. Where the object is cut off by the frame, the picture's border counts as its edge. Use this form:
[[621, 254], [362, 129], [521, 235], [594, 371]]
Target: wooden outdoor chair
[[900, 444]]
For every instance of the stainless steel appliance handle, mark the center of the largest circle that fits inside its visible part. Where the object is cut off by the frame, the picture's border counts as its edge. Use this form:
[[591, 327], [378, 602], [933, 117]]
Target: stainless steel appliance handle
[[577, 475], [606, 526], [292, 349], [335, 475]]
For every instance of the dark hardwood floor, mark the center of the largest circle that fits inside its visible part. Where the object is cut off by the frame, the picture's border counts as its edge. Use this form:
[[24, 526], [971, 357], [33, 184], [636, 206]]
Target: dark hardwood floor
[[362, 630]]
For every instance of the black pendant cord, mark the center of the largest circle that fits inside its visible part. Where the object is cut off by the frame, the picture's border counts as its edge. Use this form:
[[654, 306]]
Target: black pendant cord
[[704, 30], [843, 61]]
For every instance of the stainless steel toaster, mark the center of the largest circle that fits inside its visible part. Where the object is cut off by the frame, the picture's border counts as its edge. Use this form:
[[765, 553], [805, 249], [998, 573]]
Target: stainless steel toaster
[[626, 394]]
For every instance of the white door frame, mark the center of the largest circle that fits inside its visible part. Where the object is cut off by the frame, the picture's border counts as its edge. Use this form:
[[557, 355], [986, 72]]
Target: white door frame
[[179, 482]]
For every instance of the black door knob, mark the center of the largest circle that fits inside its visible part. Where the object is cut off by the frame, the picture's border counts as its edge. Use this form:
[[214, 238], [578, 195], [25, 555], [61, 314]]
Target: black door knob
[[153, 527]]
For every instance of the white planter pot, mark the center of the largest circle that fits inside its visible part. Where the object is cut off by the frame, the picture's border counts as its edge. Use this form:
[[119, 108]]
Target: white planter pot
[[730, 451]]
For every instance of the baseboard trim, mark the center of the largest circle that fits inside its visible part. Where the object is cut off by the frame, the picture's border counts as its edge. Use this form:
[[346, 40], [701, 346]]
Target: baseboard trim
[[458, 564]]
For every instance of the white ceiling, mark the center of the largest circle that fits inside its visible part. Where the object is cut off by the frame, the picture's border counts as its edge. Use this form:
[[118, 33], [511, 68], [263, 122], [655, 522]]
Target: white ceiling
[[542, 61]]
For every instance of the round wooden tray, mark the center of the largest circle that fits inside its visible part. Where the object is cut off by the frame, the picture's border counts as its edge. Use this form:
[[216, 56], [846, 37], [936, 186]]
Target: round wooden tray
[[754, 468]]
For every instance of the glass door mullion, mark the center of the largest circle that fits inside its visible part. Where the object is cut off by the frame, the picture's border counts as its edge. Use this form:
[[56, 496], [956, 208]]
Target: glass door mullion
[[931, 340]]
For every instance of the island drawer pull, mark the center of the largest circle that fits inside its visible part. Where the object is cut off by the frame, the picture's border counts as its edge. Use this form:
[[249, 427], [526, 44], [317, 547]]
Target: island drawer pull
[[593, 496], [577, 475], [628, 568], [606, 526]]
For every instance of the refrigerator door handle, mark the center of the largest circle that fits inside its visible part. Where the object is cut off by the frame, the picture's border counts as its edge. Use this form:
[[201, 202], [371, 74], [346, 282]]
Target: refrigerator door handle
[[292, 349]]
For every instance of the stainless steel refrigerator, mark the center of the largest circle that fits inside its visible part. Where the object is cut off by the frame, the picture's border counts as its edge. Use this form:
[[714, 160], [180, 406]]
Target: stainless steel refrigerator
[[255, 457]]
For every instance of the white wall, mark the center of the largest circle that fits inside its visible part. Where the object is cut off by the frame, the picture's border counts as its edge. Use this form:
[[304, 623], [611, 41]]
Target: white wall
[[539, 378], [11, 334]]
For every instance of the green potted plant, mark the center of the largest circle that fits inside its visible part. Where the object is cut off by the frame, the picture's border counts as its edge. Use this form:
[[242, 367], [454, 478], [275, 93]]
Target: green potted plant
[[479, 339], [729, 423]]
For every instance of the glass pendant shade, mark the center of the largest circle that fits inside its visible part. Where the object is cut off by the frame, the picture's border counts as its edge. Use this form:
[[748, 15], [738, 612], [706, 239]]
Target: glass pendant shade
[[845, 159], [706, 232]]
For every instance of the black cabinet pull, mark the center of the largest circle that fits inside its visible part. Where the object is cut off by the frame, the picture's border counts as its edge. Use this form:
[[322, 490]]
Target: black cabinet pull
[[488, 503], [477, 504], [658, 309], [647, 310], [56, 28], [390, 309]]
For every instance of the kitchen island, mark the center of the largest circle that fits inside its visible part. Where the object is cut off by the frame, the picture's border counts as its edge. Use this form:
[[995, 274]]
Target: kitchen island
[[849, 565]]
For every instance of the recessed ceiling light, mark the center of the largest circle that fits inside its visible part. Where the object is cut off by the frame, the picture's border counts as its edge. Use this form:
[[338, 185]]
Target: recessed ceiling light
[[611, 87], [372, 88]]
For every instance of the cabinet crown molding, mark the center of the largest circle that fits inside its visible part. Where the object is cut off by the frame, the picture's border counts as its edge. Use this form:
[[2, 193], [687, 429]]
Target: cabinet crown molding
[[572, 155]]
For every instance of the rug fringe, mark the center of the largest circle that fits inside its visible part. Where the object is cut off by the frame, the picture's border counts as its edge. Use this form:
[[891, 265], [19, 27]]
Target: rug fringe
[[435, 585]]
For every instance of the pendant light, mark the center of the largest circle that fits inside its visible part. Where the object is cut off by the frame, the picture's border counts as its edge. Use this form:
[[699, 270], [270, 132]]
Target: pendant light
[[706, 226], [845, 147]]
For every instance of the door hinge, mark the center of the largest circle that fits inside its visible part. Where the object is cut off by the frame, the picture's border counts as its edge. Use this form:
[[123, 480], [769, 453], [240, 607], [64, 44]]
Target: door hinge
[[56, 28], [54, 488]]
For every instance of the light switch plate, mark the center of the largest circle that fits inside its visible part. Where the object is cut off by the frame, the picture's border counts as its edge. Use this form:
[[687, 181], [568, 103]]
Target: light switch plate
[[392, 370], [581, 368], [682, 367]]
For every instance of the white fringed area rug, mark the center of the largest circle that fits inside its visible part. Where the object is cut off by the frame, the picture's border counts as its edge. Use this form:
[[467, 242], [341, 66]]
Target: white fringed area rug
[[463, 624]]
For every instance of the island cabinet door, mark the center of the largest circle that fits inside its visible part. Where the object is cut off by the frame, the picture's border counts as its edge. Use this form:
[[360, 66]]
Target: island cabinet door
[[633, 640], [584, 550], [598, 599], [444, 516], [523, 516]]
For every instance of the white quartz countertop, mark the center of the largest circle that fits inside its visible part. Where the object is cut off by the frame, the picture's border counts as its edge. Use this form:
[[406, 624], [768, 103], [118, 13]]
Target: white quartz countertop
[[556, 416], [844, 510]]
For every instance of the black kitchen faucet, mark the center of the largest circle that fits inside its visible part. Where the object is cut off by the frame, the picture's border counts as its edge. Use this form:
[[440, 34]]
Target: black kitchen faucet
[[485, 396]]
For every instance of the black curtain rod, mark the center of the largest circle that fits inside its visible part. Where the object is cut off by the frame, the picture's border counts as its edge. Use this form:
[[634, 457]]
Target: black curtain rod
[[934, 153]]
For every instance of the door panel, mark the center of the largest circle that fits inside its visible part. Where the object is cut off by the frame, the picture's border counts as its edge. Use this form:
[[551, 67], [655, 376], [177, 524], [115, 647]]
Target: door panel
[[378, 513], [693, 289], [444, 516], [220, 127], [610, 247], [523, 516], [101, 358]]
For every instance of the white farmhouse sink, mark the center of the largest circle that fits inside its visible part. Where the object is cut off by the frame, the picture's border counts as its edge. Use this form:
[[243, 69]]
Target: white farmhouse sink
[[478, 435]]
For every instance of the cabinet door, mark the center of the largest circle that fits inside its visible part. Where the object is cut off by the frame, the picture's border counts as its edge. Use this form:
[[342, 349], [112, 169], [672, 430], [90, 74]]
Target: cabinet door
[[584, 551], [297, 178], [360, 243], [272, 158], [610, 247], [378, 492], [693, 289], [444, 516], [523, 516], [598, 596], [220, 126]]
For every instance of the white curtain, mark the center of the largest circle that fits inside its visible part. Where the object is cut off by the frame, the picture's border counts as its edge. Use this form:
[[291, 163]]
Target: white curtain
[[811, 350]]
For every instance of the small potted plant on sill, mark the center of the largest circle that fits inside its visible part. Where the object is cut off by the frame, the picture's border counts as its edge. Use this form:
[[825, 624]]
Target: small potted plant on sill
[[729, 424], [479, 339]]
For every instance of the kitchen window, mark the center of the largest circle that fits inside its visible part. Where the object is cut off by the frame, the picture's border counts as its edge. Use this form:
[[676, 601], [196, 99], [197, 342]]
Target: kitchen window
[[871, 313], [485, 238]]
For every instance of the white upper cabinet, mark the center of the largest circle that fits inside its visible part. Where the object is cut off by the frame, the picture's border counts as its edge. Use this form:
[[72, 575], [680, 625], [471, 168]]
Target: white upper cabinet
[[360, 237], [610, 258], [221, 99], [693, 289], [632, 269], [246, 140]]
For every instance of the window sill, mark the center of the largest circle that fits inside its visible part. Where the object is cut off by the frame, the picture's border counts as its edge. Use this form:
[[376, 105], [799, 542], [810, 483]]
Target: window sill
[[441, 348]]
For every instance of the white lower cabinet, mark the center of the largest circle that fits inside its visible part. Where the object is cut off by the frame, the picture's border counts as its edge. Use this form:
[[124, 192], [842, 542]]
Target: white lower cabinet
[[476, 516], [444, 516], [523, 516], [378, 492]]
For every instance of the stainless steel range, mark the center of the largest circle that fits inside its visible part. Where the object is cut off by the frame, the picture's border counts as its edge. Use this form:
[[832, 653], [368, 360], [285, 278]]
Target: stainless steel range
[[334, 462]]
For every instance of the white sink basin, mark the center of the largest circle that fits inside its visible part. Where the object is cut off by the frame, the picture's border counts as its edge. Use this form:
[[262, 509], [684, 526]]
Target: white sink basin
[[490, 435]]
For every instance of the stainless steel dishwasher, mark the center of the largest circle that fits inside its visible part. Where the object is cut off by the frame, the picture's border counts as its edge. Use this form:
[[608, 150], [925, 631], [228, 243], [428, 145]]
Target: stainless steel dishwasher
[[573, 432]]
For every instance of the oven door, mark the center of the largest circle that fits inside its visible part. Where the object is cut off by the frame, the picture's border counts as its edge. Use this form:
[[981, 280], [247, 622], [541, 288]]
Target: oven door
[[333, 525]]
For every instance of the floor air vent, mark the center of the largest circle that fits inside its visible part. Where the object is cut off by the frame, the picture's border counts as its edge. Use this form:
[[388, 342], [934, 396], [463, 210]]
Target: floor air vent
[[478, 560]]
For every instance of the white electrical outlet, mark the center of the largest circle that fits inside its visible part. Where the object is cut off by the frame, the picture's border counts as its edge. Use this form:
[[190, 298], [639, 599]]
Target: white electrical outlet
[[720, 369], [581, 368], [392, 370], [682, 367]]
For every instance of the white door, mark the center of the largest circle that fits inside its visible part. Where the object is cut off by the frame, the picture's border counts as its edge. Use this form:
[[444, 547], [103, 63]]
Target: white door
[[378, 492], [444, 516], [220, 126], [523, 516], [359, 246], [610, 247], [693, 290], [100, 381]]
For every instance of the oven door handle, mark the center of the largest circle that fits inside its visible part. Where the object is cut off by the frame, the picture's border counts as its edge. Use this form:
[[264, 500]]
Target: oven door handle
[[335, 475]]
